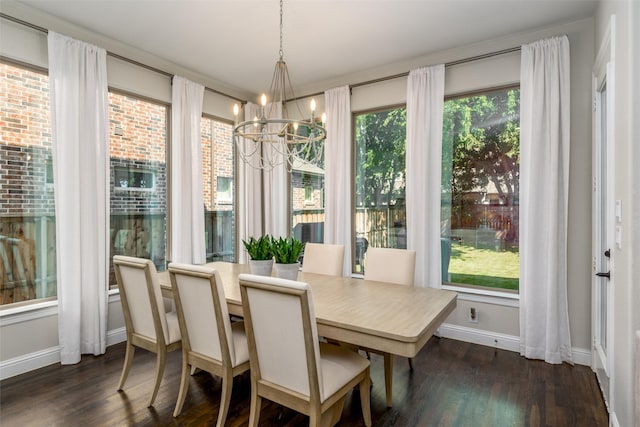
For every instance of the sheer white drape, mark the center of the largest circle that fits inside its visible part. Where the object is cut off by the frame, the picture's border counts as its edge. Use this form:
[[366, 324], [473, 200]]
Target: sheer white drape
[[187, 206], [544, 195], [275, 184], [337, 222], [249, 192], [80, 134], [425, 103]]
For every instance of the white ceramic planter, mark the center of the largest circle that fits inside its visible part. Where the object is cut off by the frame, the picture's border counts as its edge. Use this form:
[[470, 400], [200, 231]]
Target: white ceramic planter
[[261, 267], [287, 271]]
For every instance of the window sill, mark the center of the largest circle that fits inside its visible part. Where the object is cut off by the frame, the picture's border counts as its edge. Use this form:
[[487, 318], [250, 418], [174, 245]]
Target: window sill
[[32, 310], [485, 296]]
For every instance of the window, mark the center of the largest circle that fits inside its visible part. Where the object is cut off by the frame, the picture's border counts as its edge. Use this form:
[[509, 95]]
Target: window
[[480, 175], [133, 179], [218, 170], [225, 190], [27, 210], [138, 143], [307, 196], [380, 213]]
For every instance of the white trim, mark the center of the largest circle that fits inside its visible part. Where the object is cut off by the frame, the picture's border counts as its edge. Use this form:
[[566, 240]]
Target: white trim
[[489, 297], [116, 336], [580, 356], [28, 312], [29, 362]]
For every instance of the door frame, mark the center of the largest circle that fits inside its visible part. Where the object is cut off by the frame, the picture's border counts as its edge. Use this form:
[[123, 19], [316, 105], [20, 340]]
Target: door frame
[[603, 76]]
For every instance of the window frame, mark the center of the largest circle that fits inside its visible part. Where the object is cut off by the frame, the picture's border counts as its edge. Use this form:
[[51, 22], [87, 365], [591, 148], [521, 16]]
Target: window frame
[[479, 293], [354, 114]]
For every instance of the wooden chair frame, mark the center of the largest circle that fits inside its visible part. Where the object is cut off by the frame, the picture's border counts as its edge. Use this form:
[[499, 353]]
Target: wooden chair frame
[[388, 357], [192, 359], [325, 413], [134, 339]]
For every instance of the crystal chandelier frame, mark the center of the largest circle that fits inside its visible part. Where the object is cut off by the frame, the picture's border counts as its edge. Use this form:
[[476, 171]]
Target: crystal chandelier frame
[[274, 139]]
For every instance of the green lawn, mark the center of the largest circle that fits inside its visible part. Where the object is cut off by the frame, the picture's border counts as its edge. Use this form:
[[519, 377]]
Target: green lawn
[[484, 267]]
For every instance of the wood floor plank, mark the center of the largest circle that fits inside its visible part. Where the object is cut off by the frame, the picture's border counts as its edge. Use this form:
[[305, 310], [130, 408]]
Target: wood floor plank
[[453, 384]]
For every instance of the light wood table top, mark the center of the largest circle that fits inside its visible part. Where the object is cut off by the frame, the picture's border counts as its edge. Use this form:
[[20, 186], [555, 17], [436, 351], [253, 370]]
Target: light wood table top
[[381, 316]]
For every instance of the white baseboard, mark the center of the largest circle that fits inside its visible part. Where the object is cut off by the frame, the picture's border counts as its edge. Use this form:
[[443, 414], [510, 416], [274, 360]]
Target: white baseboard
[[502, 341], [29, 362], [40, 359]]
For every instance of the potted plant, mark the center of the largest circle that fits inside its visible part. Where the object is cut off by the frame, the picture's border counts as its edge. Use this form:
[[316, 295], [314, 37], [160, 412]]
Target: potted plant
[[261, 252], [286, 252]]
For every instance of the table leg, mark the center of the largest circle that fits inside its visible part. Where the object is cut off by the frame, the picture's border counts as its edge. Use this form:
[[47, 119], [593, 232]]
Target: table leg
[[388, 377]]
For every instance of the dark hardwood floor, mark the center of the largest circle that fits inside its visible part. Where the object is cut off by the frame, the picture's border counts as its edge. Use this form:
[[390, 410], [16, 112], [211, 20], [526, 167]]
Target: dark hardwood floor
[[453, 384]]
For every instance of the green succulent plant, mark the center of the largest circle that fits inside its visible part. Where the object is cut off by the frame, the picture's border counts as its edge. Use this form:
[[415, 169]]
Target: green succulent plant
[[287, 251], [259, 249]]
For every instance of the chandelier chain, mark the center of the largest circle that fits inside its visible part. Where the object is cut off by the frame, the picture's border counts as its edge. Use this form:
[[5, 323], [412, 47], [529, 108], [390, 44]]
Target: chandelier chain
[[281, 27]]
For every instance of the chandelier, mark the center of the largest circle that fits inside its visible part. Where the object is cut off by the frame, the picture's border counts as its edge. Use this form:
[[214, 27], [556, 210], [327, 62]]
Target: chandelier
[[273, 137]]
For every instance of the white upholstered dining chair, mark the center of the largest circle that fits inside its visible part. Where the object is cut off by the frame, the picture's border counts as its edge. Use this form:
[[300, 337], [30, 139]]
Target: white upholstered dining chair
[[323, 259], [288, 364], [392, 266], [210, 341], [148, 325]]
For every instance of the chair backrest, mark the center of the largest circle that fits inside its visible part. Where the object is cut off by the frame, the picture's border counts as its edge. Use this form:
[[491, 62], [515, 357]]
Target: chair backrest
[[323, 259], [202, 311], [282, 333], [141, 297], [390, 265]]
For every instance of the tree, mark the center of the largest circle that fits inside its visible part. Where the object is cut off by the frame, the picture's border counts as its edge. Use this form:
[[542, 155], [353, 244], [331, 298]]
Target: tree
[[380, 157], [482, 141]]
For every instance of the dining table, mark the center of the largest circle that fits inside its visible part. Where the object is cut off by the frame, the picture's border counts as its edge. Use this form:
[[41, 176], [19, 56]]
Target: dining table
[[384, 317]]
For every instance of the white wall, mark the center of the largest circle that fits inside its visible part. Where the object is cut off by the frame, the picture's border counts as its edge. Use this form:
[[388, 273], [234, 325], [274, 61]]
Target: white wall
[[496, 320], [625, 272]]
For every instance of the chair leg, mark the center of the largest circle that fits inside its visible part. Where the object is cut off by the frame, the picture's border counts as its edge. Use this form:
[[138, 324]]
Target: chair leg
[[160, 360], [335, 412], [225, 400], [128, 358], [410, 359], [365, 398], [184, 386], [388, 378], [256, 405]]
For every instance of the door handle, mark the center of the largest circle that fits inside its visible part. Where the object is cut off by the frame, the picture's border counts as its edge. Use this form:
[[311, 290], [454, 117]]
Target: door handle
[[607, 275]]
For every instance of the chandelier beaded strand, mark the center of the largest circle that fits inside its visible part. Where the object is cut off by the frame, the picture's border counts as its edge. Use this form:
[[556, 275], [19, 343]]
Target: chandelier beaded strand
[[271, 140]]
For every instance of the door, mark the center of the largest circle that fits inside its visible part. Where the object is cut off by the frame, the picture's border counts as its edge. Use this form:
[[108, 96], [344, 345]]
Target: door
[[603, 220]]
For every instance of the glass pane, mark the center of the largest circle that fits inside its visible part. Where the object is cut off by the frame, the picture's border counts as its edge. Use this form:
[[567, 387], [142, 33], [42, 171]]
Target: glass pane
[[27, 211], [380, 217], [138, 143], [218, 171], [307, 194], [480, 193]]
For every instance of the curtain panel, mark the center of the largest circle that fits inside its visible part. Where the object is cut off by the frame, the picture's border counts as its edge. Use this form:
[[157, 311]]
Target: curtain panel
[[275, 182], [80, 134], [544, 195], [425, 104], [187, 205], [337, 222], [249, 191]]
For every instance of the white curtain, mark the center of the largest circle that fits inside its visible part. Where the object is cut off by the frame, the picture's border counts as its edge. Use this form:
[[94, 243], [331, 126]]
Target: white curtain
[[275, 183], [187, 205], [80, 134], [425, 103], [337, 181], [544, 195], [249, 191]]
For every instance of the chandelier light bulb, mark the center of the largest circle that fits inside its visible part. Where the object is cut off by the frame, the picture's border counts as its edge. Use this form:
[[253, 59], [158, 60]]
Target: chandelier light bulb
[[236, 109], [295, 126], [324, 118], [313, 104], [263, 100]]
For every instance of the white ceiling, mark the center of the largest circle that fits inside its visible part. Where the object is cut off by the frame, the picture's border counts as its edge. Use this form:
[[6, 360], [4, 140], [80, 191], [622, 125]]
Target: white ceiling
[[236, 41]]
